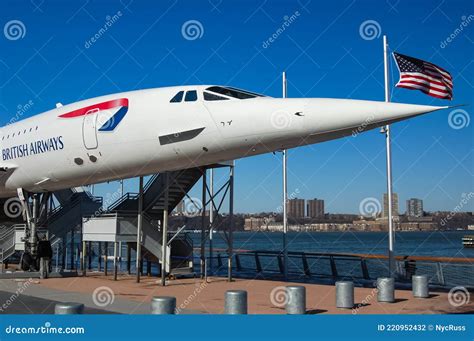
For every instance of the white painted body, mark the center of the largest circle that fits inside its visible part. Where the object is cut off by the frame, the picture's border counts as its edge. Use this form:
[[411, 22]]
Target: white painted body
[[232, 129]]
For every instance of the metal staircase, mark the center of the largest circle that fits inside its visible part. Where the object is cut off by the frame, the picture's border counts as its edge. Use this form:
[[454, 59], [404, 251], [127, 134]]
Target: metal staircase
[[126, 208], [180, 182], [7, 241], [74, 205]]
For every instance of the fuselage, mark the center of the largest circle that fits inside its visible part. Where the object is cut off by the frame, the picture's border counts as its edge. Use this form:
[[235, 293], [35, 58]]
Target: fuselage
[[149, 131]]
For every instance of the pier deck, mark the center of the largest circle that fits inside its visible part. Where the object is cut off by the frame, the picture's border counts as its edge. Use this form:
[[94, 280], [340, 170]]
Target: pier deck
[[196, 296]]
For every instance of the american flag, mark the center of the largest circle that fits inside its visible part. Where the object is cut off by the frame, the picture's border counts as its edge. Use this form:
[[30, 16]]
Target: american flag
[[416, 74]]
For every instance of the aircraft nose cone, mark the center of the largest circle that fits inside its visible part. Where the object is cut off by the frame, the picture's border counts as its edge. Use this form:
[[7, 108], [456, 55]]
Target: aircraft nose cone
[[325, 115]]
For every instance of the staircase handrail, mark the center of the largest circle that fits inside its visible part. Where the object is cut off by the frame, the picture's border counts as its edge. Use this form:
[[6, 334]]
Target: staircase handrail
[[6, 231], [150, 182], [119, 201]]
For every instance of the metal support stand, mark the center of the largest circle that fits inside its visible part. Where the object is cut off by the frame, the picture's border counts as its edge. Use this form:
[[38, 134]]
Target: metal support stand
[[216, 201], [99, 256], [211, 219], [84, 257], [106, 256], [119, 256], [129, 258], [72, 249], [285, 197], [115, 261], [81, 259], [89, 256], [139, 228], [165, 232], [57, 257], [231, 223], [203, 224], [63, 253]]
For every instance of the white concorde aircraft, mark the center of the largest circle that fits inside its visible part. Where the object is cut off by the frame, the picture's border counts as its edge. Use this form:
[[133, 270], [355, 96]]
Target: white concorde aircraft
[[149, 131]]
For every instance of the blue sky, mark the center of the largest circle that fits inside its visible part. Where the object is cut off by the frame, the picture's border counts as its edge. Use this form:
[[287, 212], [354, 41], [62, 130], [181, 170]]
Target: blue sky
[[323, 52]]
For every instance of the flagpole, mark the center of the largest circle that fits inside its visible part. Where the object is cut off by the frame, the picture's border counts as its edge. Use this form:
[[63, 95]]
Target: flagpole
[[391, 259], [285, 197]]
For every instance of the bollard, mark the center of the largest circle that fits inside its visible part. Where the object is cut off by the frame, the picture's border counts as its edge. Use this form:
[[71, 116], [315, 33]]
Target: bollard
[[162, 305], [68, 308], [386, 289], [296, 300], [345, 294], [236, 302], [420, 287]]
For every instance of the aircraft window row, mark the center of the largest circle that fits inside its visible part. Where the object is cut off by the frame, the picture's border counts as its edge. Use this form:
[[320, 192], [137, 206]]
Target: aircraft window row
[[213, 93], [19, 133], [191, 96], [232, 92], [213, 97]]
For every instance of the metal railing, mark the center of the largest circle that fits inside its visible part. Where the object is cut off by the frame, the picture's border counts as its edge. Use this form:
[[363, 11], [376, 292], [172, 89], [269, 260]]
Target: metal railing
[[132, 195], [308, 266], [122, 199]]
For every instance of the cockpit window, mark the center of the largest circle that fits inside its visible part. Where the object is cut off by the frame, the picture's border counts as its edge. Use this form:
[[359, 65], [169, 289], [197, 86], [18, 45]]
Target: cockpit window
[[191, 96], [232, 92], [178, 97], [213, 97]]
